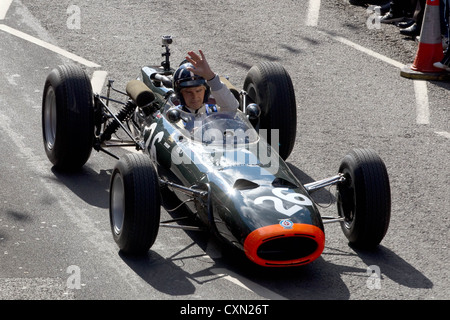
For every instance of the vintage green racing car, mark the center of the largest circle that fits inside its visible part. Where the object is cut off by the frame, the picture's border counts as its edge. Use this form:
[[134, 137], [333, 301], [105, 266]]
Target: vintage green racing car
[[228, 170]]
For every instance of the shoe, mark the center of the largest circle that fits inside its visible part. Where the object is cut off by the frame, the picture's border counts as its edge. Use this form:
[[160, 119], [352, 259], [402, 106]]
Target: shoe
[[412, 31], [406, 24], [383, 9], [441, 66], [358, 2], [391, 18]]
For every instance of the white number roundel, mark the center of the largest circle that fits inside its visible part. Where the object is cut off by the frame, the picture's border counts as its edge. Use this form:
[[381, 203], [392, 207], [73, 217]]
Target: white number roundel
[[297, 199]]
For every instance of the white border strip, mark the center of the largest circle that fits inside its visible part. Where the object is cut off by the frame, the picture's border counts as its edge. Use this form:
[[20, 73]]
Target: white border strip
[[48, 46], [420, 87], [312, 18], [367, 51], [4, 7], [98, 81], [422, 105], [444, 134], [247, 284]]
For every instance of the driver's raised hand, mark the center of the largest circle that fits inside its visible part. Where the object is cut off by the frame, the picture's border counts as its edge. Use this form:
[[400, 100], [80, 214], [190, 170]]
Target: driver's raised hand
[[201, 66]]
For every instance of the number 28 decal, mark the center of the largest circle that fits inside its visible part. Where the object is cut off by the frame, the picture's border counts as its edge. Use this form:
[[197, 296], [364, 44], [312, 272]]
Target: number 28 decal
[[298, 201]]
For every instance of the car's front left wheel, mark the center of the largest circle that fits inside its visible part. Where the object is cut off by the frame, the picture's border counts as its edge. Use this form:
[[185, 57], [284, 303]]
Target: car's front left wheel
[[135, 204]]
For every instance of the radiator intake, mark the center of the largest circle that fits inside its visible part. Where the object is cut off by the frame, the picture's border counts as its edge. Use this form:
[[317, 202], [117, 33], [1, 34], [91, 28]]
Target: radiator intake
[[284, 245]]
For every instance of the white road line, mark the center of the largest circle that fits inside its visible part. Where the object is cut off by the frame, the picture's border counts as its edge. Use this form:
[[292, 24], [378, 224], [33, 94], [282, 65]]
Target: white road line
[[420, 87], [48, 46], [98, 81], [367, 51], [247, 284], [4, 6], [444, 134], [422, 105], [312, 18]]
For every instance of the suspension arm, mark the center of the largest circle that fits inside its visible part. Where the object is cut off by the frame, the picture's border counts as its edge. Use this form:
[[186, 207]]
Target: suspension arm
[[313, 186], [189, 191]]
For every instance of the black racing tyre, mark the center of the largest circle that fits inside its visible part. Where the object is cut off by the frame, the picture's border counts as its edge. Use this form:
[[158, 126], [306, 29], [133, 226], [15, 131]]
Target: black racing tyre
[[364, 198], [68, 117], [269, 85], [134, 204]]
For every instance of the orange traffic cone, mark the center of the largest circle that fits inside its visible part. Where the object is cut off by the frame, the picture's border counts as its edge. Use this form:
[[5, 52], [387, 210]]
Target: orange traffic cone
[[430, 47]]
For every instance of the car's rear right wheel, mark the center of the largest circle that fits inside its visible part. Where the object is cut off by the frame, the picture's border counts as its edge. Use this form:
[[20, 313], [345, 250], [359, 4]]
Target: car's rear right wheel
[[269, 85]]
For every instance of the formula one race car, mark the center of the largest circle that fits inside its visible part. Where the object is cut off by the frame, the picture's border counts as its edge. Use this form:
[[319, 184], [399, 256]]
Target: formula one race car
[[228, 170]]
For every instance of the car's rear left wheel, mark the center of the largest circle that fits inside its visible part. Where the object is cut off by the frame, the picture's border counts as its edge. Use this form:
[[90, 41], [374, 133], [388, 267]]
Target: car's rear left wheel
[[68, 117]]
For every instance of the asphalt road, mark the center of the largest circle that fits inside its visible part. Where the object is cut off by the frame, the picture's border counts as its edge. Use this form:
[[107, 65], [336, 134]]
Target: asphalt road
[[55, 241]]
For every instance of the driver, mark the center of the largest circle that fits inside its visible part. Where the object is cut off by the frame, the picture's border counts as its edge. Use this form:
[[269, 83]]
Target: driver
[[194, 81]]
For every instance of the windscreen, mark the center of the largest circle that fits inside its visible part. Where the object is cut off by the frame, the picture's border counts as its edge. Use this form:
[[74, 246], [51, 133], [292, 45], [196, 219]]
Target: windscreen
[[218, 128]]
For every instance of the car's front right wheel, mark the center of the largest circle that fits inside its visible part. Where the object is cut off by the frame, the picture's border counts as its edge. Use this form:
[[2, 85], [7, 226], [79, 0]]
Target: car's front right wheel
[[364, 198]]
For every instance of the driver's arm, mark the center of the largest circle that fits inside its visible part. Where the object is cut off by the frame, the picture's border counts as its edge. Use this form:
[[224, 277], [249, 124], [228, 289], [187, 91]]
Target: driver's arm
[[223, 96]]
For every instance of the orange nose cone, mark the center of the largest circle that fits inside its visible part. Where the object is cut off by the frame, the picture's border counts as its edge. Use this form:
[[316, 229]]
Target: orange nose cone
[[284, 245]]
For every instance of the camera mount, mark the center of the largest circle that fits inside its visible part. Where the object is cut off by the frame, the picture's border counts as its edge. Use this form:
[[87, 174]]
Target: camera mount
[[166, 41]]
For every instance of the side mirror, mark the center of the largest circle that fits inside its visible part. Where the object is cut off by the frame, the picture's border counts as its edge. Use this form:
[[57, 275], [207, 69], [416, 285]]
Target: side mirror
[[174, 115], [252, 111]]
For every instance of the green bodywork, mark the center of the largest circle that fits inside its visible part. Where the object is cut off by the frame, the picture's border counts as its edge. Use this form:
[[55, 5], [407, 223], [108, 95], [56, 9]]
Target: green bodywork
[[249, 185]]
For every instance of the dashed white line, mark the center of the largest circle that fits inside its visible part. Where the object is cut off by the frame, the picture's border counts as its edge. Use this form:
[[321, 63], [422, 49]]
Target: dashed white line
[[444, 134], [312, 18], [420, 87], [4, 7], [247, 284], [48, 46], [422, 105], [367, 51], [98, 80]]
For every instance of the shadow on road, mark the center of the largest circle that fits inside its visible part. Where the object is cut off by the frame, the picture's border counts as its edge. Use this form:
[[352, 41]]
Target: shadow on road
[[395, 268], [90, 186]]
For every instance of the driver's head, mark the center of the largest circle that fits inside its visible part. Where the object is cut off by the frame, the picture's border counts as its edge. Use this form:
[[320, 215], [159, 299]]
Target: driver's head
[[191, 90]]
